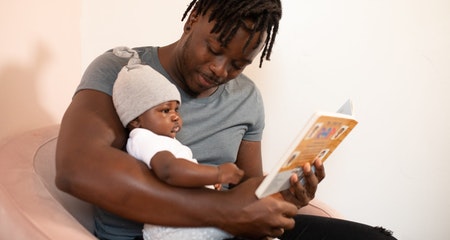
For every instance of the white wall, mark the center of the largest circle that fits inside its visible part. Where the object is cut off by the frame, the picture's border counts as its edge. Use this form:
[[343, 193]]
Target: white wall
[[391, 57], [40, 55], [128, 23]]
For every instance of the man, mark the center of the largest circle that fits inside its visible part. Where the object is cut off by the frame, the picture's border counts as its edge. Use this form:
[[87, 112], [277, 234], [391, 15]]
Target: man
[[220, 38]]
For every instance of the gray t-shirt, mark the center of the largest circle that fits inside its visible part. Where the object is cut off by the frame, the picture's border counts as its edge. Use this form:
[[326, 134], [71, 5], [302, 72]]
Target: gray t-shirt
[[213, 127]]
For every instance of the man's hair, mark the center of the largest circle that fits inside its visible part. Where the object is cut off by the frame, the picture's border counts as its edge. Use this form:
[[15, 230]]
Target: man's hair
[[230, 15]]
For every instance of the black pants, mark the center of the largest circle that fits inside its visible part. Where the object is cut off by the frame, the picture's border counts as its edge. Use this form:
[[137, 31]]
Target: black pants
[[321, 228]]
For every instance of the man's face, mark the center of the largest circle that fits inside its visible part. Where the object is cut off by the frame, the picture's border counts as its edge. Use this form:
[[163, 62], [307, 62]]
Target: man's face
[[204, 64]]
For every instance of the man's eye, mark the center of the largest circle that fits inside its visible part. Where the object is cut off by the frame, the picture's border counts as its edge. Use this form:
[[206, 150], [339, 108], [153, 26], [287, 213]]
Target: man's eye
[[238, 67], [213, 51]]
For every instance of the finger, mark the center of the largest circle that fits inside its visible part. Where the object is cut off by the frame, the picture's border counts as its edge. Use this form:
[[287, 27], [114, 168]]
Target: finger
[[276, 232], [286, 221], [311, 182], [282, 216], [309, 174], [290, 196], [320, 170], [296, 194], [288, 211]]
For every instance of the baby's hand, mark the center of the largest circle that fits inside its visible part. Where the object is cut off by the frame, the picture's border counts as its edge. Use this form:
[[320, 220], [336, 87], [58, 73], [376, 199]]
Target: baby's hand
[[229, 173]]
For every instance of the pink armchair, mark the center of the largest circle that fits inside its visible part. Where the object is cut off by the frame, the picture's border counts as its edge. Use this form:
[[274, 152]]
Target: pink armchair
[[31, 207]]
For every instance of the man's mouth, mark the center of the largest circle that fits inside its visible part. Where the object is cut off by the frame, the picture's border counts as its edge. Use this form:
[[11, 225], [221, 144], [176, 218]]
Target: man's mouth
[[210, 81]]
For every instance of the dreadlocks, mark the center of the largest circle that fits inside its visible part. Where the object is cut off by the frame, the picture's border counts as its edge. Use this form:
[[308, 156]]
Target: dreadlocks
[[230, 15]]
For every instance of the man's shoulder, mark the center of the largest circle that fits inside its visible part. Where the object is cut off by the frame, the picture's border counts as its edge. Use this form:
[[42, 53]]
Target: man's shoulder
[[110, 60], [102, 72], [242, 83], [148, 54]]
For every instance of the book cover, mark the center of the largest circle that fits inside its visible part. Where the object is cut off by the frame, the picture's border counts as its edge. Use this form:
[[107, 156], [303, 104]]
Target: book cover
[[318, 139]]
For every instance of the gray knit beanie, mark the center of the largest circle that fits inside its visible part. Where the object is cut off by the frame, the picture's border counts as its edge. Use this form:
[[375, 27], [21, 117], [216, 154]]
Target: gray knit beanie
[[139, 87]]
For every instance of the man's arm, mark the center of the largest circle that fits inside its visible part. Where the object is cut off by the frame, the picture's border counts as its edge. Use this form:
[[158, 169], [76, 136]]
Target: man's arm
[[249, 159], [91, 167]]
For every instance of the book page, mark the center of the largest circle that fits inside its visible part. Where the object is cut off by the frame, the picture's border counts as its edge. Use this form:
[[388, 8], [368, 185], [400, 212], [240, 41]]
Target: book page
[[346, 108]]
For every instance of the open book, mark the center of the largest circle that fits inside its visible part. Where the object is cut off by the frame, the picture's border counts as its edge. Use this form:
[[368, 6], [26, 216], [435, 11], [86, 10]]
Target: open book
[[318, 139]]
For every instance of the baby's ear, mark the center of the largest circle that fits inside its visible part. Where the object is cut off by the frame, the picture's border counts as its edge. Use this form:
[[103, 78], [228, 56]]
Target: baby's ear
[[135, 123]]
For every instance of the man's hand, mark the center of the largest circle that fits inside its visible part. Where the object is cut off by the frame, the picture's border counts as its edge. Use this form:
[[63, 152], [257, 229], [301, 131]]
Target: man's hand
[[252, 218], [300, 194]]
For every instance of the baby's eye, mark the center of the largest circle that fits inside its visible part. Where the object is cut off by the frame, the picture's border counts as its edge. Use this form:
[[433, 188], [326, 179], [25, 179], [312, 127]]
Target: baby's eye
[[166, 110]]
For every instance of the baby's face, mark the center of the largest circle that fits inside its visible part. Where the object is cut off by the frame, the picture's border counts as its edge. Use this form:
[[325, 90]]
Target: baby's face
[[162, 119]]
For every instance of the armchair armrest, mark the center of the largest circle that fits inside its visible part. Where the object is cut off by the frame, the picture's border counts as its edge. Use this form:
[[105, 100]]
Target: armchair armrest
[[31, 207]]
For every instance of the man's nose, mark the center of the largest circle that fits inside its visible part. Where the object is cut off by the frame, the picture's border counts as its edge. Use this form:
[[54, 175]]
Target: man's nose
[[220, 67]]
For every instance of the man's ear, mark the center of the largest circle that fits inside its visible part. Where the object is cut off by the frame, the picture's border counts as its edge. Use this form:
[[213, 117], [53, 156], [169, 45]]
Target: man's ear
[[193, 18]]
